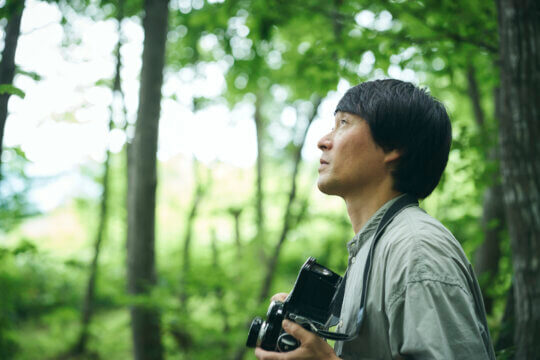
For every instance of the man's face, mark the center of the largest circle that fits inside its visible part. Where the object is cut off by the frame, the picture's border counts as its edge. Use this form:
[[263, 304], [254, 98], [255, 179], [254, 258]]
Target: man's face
[[351, 162]]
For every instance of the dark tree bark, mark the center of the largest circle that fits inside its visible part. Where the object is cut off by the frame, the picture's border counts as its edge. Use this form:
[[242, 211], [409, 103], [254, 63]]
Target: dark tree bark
[[519, 134], [7, 65], [142, 183]]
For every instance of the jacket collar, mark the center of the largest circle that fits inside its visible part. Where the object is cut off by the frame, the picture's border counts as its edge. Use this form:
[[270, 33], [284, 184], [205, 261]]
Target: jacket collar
[[369, 228]]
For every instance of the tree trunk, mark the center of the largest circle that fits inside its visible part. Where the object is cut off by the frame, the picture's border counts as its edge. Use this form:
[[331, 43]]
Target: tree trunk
[[505, 340], [488, 254], [259, 194], [198, 194], [142, 183], [236, 213], [265, 289], [287, 220], [88, 304], [181, 331], [519, 134], [7, 65], [475, 97], [218, 289]]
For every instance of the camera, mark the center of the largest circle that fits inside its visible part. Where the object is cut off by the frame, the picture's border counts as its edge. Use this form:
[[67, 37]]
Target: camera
[[308, 304]]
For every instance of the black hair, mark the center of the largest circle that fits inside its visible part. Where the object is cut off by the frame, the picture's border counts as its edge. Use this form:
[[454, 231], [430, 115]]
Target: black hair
[[404, 117]]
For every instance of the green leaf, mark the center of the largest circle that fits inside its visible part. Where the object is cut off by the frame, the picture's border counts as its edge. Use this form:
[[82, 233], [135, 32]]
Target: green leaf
[[25, 246], [33, 75], [104, 82], [12, 90]]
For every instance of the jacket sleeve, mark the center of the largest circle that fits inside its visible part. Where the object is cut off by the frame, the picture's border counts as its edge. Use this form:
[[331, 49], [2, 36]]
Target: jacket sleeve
[[435, 319]]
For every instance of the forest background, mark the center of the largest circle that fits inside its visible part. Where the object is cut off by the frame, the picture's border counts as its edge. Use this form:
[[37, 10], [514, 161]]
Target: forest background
[[159, 160]]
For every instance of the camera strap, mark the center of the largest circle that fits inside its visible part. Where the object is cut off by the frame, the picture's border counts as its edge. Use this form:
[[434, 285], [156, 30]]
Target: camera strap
[[400, 204]]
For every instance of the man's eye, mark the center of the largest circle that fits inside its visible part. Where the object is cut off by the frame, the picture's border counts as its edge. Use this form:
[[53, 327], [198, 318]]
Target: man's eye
[[343, 121]]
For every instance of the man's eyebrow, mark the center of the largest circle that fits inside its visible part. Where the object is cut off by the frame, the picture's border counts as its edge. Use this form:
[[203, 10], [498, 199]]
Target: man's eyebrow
[[344, 116]]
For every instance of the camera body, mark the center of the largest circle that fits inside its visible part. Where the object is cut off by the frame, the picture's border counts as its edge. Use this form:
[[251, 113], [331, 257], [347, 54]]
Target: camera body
[[308, 304]]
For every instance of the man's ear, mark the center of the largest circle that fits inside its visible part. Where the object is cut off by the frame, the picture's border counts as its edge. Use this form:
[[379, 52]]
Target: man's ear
[[391, 156]]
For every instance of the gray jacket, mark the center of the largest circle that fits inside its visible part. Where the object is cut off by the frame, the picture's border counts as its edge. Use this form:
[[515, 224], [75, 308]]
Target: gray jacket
[[424, 301]]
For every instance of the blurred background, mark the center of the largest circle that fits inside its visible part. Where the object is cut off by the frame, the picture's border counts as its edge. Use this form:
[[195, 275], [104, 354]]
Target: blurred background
[[159, 162]]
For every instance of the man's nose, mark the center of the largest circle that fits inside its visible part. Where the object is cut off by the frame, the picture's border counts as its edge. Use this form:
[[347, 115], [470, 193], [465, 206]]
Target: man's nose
[[325, 143]]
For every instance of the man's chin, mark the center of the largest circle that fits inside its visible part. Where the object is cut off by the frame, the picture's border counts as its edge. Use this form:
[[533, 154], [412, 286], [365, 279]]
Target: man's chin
[[325, 187]]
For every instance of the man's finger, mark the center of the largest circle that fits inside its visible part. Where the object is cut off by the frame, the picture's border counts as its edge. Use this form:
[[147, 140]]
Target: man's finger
[[279, 297], [297, 331], [267, 355]]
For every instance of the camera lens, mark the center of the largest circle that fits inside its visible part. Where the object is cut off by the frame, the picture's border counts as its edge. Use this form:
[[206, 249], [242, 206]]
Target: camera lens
[[254, 332]]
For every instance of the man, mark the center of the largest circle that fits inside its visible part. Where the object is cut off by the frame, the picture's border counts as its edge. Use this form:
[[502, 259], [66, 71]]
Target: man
[[390, 141]]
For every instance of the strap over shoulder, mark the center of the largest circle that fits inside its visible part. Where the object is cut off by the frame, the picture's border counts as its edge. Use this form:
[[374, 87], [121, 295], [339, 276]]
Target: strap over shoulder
[[401, 203]]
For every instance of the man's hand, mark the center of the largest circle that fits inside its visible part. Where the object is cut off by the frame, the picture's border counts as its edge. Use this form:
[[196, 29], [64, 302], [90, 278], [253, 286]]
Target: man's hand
[[279, 297], [312, 346]]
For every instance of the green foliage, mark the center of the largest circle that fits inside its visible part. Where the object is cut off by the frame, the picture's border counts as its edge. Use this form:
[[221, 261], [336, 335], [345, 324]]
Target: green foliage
[[32, 286], [10, 8], [278, 55], [100, 9], [8, 346], [31, 74], [108, 83], [11, 90], [15, 184]]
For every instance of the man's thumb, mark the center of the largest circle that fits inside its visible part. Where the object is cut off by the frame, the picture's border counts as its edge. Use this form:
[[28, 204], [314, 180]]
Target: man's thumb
[[297, 331]]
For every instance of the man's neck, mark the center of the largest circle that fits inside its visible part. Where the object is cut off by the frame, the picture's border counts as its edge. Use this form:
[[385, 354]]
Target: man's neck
[[361, 207]]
